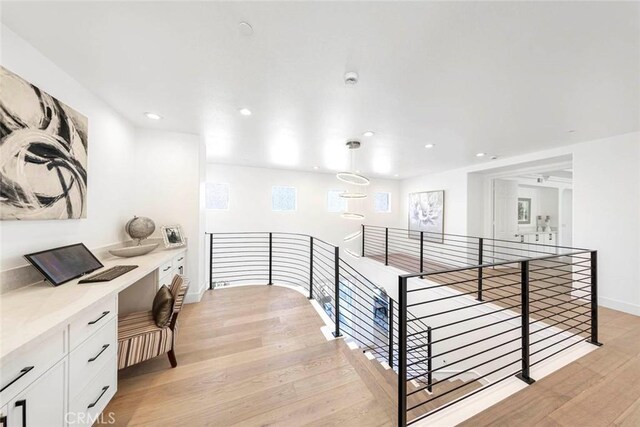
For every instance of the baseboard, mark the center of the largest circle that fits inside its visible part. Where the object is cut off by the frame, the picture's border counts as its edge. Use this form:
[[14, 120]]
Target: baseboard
[[615, 304], [193, 297]]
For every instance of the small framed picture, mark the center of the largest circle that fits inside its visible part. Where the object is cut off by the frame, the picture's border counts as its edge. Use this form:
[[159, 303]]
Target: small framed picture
[[172, 236], [524, 211]]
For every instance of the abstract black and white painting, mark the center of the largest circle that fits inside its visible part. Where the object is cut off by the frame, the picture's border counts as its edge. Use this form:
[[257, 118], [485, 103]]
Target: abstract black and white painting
[[426, 213], [43, 154]]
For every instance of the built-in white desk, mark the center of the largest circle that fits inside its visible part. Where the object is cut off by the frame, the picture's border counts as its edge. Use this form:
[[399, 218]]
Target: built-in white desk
[[58, 345]]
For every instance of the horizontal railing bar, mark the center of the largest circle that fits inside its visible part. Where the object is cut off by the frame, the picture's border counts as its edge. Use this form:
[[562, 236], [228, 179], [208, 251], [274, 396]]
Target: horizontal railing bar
[[471, 343], [419, 389], [447, 365], [471, 330]]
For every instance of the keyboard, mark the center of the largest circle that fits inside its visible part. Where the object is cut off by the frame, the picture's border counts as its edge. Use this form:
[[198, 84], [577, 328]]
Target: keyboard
[[109, 274]]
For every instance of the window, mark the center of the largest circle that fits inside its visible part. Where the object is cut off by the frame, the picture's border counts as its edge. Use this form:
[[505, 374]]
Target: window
[[382, 202], [283, 199], [335, 203], [216, 196]]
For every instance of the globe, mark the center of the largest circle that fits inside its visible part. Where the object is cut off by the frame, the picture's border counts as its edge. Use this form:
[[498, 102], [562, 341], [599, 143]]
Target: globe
[[140, 227]]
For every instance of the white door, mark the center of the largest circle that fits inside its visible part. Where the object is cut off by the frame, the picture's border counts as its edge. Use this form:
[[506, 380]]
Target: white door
[[42, 403], [505, 218]]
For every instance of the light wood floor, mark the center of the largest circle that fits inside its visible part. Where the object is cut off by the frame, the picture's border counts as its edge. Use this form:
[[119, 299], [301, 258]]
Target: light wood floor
[[254, 356], [251, 356], [600, 389]]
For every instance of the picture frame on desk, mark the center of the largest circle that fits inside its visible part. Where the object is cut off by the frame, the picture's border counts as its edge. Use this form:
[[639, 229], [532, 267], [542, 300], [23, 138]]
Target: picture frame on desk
[[172, 236]]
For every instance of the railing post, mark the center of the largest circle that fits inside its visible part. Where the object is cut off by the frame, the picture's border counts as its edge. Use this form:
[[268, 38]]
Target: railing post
[[211, 261], [362, 240], [594, 299], [386, 246], [429, 361], [270, 259], [480, 261], [390, 324], [310, 267], [402, 351], [524, 279], [421, 251], [336, 310]]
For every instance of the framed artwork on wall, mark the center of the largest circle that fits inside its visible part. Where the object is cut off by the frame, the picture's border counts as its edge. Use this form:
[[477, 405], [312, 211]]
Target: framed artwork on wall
[[426, 213], [172, 236], [43, 165], [524, 211]]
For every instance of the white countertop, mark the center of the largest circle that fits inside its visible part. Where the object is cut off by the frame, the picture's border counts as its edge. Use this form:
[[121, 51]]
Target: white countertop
[[28, 313]]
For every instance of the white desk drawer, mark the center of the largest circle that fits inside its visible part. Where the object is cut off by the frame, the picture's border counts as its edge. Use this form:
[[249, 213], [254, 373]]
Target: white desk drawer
[[93, 398], [92, 355], [22, 368], [165, 268], [91, 319], [179, 262]]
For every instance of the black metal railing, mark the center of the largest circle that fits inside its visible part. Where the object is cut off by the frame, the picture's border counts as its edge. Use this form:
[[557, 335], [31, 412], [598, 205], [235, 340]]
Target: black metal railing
[[358, 308], [471, 312], [417, 251], [530, 311]]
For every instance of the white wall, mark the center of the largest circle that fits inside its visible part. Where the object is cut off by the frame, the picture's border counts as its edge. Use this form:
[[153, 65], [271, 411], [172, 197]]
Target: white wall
[[606, 215], [169, 174], [110, 163], [606, 210], [250, 203], [130, 172], [454, 183]]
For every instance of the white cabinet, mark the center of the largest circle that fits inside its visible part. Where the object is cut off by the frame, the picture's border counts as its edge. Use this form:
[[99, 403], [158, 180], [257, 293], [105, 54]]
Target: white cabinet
[[42, 404], [52, 383], [170, 269]]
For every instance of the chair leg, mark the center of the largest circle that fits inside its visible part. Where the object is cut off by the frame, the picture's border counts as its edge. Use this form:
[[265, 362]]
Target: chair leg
[[172, 358]]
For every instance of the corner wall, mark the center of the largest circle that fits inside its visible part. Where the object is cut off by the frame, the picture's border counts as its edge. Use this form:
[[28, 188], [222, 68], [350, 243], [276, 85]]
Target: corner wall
[[169, 175]]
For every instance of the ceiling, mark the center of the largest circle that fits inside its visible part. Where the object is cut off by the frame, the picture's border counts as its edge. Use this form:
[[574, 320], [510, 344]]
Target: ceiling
[[503, 78]]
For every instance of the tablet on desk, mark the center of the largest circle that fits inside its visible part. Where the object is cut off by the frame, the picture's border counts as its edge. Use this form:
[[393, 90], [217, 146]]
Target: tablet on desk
[[60, 265]]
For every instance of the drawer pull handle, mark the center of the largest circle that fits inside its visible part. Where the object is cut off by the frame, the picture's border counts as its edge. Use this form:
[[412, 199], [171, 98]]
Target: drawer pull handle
[[167, 268], [104, 390], [23, 403], [23, 372], [94, 358], [93, 322], [181, 258]]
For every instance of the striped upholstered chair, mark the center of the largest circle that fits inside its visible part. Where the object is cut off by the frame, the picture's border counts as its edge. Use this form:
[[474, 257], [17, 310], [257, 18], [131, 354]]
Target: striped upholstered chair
[[140, 339]]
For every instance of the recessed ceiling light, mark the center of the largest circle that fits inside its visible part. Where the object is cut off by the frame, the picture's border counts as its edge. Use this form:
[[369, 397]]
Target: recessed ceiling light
[[315, 168], [153, 116], [481, 154], [368, 133], [429, 145], [245, 111], [396, 175]]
